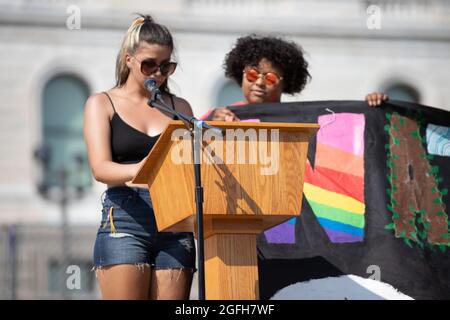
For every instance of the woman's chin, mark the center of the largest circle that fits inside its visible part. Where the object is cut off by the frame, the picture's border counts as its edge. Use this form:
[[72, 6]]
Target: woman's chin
[[256, 99]]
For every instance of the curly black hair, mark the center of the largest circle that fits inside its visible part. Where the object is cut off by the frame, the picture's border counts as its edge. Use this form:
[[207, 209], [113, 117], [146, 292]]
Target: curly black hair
[[285, 55]]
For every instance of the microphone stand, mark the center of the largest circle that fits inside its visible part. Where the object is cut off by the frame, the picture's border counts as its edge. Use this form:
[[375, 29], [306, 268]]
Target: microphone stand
[[195, 127]]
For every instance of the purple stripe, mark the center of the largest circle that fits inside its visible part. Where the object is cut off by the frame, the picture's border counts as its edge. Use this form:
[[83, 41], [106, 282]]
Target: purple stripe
[[282, 233], [341, 237]]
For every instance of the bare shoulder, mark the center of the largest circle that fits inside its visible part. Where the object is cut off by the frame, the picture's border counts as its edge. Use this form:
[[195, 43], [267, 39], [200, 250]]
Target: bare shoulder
[[182, 105], [98, 105]]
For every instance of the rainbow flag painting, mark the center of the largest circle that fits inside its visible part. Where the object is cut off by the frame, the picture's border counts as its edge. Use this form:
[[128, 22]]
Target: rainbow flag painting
[[334, 188]]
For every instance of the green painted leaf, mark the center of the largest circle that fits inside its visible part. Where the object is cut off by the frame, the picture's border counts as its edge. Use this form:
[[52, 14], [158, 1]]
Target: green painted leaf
[[390, 226], [408, 242], [422, 234], [396, 141]]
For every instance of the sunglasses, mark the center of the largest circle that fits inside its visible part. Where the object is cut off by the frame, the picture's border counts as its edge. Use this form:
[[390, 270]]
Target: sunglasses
[[149, 67], [270, 78]]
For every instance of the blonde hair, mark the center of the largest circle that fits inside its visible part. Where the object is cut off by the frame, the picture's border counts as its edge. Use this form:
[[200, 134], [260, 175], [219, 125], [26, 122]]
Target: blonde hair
[[143, 28]]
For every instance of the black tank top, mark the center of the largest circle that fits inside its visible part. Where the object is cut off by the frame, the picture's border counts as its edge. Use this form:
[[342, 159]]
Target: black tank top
[[128, 144]]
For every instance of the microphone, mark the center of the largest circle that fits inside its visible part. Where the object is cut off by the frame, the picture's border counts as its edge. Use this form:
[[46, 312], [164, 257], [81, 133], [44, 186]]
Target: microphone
[[151, 86], [155, 96]]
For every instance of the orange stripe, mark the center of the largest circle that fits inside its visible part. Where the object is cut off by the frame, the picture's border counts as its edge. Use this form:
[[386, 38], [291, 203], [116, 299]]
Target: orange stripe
[[338, 160]]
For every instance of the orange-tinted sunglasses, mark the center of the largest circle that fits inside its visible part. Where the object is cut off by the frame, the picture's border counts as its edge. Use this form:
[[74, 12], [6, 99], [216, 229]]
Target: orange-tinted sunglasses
[[270, 78]]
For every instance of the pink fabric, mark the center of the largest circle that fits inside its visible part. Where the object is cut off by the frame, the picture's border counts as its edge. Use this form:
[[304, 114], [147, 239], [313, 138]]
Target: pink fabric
[[337, 135], [239, 103], [203, 117]]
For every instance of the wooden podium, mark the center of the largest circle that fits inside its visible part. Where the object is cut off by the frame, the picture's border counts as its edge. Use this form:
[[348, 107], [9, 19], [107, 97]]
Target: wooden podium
[[242, 197]]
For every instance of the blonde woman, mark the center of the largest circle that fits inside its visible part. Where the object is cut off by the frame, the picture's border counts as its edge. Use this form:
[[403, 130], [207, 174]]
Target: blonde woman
[[132, 260]]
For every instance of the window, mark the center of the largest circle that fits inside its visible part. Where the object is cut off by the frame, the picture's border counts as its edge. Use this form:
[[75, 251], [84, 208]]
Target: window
[[403, 92], [63, 100], [229, 94]]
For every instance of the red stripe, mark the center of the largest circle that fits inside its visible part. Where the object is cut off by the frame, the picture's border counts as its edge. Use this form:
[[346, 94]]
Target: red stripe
[[336, 181]]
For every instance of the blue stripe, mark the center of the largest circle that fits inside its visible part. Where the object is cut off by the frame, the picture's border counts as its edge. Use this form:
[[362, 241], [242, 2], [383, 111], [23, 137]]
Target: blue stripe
[[341, 227]]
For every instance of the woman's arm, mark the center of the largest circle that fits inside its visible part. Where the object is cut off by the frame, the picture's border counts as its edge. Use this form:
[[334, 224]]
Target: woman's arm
[[97, 137]]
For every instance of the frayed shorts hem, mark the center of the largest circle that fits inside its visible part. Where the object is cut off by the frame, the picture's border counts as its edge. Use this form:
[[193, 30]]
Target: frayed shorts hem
[[142, 265]]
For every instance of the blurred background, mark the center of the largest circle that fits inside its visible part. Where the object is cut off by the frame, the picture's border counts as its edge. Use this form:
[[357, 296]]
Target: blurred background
[[55, 53]]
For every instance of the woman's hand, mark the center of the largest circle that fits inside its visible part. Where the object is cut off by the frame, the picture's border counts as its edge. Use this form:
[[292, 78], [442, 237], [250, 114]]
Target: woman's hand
[[136, 166], [375, 99], [224, 114]]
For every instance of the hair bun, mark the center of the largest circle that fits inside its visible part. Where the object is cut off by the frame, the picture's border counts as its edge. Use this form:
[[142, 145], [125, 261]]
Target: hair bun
[[142, 19], [147, 18]]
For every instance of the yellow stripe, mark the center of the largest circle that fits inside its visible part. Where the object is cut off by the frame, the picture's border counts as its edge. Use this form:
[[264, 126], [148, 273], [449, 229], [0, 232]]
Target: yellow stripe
[[111, 220], [333, 199]]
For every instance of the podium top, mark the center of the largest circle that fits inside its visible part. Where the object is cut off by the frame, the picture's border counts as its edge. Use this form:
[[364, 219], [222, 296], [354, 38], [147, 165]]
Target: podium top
[[158, 149]]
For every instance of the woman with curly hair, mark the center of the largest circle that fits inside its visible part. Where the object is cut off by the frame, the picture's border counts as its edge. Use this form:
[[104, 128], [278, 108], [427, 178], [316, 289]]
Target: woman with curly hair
[[265, 68]]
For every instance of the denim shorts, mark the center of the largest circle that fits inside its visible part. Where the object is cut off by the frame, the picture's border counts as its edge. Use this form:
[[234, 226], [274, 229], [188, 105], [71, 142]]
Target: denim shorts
[[128, 234]]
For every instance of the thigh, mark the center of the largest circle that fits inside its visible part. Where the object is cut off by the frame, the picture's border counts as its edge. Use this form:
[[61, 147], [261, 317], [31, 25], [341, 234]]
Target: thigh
[[170, 284], [174, 266], [124, 282]]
